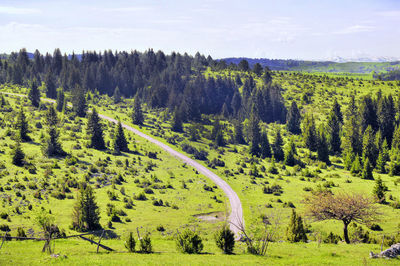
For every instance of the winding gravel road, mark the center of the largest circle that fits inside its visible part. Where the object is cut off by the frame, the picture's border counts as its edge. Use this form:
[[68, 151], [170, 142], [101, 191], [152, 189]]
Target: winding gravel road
[[236, 215]]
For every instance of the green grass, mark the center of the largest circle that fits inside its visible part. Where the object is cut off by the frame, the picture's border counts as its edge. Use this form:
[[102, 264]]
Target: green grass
[[79, 252]]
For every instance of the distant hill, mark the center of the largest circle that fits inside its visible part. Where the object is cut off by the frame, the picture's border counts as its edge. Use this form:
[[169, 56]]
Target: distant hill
[[319, 66]]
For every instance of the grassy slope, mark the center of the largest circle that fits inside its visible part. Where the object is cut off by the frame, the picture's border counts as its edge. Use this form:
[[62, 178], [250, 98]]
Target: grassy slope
[[191, 201], [250, 190]]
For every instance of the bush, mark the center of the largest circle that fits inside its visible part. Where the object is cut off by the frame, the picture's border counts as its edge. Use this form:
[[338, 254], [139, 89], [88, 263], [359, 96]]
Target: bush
[[225, 240], [21, 232], [189, 242], [130, 243], [4, 215], [141, 196], [145, 244], [332, 238], [4, 228]]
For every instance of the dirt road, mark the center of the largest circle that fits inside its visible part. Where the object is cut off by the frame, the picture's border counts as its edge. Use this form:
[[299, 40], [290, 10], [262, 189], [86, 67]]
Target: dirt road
[[236, 214]]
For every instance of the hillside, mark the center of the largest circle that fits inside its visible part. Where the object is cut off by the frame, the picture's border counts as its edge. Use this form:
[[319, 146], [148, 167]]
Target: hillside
[[319, 66]]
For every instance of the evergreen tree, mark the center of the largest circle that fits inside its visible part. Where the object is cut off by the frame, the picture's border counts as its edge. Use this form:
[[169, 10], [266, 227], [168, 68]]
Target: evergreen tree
[[257, 69], [95, 131], [18, 155], [137, 116], [323, 148], [349, 159], [79, 101], [367, 114], [293, 119], [290, 153], [238, 131], [334, 127], [277, 146], [370, 151], [52, 145], [51, 117], [60, 100], [352, 141], [380, 190], [130, 243], [51, 90], [295, 231], [386, 117], [336, 109], [356, 166], [309, 133], [22, 126], [117, 95], [265, 146], [254, 135], [225, 240], [34, 94], [120, 142], [367, 170], [177, 125], [86, 215]]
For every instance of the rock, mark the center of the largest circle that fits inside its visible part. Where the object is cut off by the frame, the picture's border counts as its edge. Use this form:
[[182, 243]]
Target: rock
[[391, 252]]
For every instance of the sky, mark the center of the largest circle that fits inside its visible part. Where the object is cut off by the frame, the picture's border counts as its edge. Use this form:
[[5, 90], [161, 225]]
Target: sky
[[280, 29]]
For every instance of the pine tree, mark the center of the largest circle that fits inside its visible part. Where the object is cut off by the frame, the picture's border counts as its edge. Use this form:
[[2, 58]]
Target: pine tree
[[51, 117], [277, 146], [380, 190], [336, 109], [86, 215], [52, 145], [51, 90], [137, 116], [351, 129], [309, 133], [60, 100], [295, 231], [323, 148], [177, 125], [130, 243], [334, 127], [290, 153], [370, 151], [367, 114], [381, 164], [117, 95], [367, 170], [95, 131], [349, 159], [238, 131], [265, 146], [18, 155], [79, 101], [34, 94], [293, 119], [254, 135], [356, 166], [120, 142], [22, 126]]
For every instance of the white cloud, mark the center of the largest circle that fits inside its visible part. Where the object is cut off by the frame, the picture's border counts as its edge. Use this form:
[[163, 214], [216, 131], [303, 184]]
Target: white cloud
[[356, 29], [18, 10], [390, 13]]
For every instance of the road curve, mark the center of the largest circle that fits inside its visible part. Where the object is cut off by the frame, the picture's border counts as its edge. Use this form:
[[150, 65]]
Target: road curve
[[236, 215]]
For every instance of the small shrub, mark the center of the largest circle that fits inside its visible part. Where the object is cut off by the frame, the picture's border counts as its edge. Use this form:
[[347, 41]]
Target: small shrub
[[189, 242], [130, 243], [145, 244], [332, 238], [225, 240]]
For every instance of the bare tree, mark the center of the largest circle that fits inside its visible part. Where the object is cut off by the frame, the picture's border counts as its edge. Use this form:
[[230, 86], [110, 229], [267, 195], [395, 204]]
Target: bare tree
[[257, 242], [343, 207]]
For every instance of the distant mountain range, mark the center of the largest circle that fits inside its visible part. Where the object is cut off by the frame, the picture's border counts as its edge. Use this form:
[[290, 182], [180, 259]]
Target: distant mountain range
[[338, 64]]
